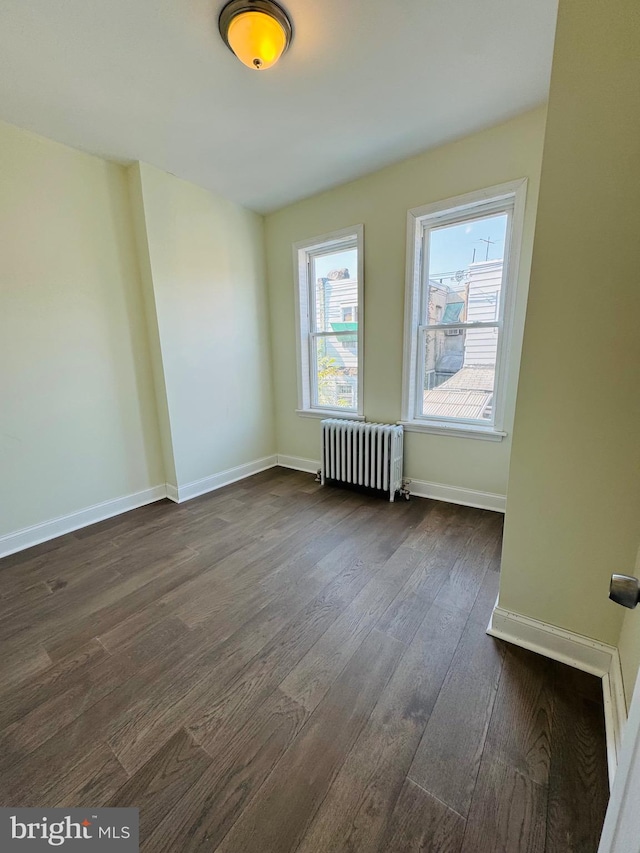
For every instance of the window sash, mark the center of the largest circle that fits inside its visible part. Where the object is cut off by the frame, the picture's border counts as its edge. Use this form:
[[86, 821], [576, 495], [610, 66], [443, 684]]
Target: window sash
[[308, 332], [313, 370], [419, 414], [450, 218], [345, 334], [442, 327], [506, 199], [339, 246]]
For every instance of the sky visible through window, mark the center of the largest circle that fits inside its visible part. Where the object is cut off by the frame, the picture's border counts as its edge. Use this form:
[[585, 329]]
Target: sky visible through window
[[348, 259], [454, 247]]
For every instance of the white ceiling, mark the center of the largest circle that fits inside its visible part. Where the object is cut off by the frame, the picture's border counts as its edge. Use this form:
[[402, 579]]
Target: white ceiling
[[365, 83]]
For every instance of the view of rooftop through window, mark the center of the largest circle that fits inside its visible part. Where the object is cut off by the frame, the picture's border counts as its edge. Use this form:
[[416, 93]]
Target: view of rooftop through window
[[464, 285]]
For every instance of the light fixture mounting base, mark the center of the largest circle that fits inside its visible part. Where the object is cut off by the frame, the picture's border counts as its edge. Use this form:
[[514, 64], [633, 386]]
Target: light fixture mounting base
[[267, 7]]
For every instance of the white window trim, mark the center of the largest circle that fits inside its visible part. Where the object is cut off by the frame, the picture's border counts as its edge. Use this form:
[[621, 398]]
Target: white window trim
[[515, 192], [302, 288]]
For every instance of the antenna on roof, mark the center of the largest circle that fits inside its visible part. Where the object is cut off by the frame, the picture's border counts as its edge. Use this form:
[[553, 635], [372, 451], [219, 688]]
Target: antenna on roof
[[489, 242]]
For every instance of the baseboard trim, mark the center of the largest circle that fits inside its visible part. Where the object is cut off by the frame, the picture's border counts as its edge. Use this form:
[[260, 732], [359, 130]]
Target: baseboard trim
[[224, 478], [575, 650], [310, 466], [10, 543], [457, 495], [419, 488], [37, 533]]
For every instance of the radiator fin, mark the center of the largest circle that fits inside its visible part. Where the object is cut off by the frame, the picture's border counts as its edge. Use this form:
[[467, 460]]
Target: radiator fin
[[362, 454]]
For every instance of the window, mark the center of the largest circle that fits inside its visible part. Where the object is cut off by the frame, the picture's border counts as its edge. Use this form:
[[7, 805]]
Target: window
[[462, 268], [350, 314], [329, 314]]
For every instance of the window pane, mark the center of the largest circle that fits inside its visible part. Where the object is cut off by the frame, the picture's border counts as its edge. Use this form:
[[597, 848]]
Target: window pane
[[459, 373], [335, 290], [465, 271], [336, 365]]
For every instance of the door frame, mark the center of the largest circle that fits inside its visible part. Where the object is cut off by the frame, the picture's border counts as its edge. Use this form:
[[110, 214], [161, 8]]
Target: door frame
[[621, 830]]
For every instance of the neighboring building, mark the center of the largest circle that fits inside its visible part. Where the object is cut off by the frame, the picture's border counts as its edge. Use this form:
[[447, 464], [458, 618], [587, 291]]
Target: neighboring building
[[460, 363], [337, 311], [445, 352]]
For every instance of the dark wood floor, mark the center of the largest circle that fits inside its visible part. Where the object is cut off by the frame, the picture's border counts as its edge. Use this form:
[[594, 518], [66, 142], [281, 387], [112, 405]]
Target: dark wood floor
[[278, 667]]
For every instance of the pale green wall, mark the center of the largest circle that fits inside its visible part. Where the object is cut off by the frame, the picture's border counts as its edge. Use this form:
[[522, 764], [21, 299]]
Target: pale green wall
[[155, 346], [573, 514], [381, 201], [202, 261], [77, 409]]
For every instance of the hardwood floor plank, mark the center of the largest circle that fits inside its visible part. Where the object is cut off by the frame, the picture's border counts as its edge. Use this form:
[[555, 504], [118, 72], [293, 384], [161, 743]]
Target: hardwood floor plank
[[200, 599], [448, 757], [276, 819], [520, 729], [404, 616], [49, 683], [19, 597], [20, 663], [436, 520], [95, 788], [128, 632], [508, 812], [30, 774], [232, 704], [464, 580], [162, 781], [440, 538], [355, 813], [55, 777], [182, 694], [488, 592], [127, 598], [577, 803], [309, 681], [422, 824], [46, 719], [213, 804]]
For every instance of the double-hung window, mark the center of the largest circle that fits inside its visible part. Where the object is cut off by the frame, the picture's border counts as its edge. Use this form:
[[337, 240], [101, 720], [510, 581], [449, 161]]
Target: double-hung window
[[462, 269], [329, 284]]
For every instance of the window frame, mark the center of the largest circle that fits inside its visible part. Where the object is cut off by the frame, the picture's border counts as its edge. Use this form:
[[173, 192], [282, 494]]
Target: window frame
[[303, 252], [508, 197]]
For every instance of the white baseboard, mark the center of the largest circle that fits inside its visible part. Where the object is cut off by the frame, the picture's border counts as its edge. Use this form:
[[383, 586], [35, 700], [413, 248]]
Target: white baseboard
[[457, 495], [298, 463], [29, 536], [217, 481], [575, 650], [419, 488]]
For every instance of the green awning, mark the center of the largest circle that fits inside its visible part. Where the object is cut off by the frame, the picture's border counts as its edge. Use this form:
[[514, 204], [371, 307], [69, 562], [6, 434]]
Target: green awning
[[346, 327]]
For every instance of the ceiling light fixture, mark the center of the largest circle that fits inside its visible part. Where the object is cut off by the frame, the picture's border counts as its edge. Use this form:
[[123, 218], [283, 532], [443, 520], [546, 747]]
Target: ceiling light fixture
[[257, 31]]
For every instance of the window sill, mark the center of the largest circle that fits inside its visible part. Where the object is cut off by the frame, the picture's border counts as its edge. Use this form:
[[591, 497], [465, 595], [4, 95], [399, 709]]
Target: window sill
[[457, 431], [328, 413]]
